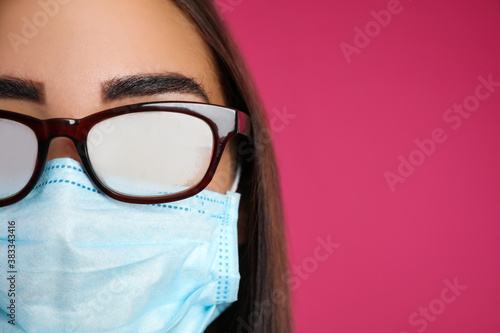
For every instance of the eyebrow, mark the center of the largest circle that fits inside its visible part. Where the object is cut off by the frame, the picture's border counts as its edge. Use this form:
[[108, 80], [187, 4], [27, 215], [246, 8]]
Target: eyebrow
[[149, 85], [112, 90], [21, 89]]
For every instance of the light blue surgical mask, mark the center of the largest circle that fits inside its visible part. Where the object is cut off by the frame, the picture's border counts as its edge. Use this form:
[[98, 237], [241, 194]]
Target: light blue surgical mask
[[87, 263]]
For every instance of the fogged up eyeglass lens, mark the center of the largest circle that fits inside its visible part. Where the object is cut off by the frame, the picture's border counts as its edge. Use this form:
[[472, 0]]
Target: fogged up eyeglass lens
[[18, 153], [150, 154]]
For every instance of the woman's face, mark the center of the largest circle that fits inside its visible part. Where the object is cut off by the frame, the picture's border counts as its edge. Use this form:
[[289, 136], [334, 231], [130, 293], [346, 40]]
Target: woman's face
[[74, 47]]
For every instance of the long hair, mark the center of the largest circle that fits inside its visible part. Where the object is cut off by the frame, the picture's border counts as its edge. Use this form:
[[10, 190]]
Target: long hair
[[263, 300]]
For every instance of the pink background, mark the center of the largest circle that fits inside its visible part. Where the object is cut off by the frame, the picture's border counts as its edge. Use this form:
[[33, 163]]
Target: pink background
[[351, 123]]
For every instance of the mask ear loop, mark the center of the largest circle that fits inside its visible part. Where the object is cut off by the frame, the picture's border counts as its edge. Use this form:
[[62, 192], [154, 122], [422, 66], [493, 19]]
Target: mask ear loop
[[236, 179]]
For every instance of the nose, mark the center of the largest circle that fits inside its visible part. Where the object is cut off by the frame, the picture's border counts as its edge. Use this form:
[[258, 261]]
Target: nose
[[62, 147]]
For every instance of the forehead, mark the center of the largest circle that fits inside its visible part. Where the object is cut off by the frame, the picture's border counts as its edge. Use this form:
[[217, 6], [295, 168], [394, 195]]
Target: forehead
[[73, 45]]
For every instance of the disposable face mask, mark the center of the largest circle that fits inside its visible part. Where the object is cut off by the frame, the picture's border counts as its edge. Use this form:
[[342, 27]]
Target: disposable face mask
[[83, 262]]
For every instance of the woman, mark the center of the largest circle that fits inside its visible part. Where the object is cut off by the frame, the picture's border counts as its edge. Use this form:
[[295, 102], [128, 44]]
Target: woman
[[73, 265]]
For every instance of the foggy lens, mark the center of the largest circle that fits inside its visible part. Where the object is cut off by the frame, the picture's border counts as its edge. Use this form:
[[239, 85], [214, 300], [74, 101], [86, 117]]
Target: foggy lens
[[150, 153], [18, 153]]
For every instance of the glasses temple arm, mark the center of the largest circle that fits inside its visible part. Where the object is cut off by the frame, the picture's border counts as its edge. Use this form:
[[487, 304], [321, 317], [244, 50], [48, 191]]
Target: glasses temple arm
[[244, 123]]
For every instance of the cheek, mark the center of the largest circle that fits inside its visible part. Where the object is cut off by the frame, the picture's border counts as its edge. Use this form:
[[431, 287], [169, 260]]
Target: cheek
[[226, 171]]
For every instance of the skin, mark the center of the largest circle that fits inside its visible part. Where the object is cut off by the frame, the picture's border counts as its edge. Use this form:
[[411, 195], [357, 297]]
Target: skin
[[91, 41]]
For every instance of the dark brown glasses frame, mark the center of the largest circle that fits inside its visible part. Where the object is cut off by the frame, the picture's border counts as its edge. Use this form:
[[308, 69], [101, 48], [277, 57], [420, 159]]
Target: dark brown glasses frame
[[225, 123]]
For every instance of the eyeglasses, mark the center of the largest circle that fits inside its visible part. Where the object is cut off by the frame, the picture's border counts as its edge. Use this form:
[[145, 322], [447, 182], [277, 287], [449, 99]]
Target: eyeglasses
[[143, 153]]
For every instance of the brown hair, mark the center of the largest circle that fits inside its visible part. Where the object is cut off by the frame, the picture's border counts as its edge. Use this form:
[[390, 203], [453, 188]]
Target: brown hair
[[263, 300]]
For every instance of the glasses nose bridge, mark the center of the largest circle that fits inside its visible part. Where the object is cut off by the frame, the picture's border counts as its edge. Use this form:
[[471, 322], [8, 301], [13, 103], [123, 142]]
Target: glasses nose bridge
[[62, 127]]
